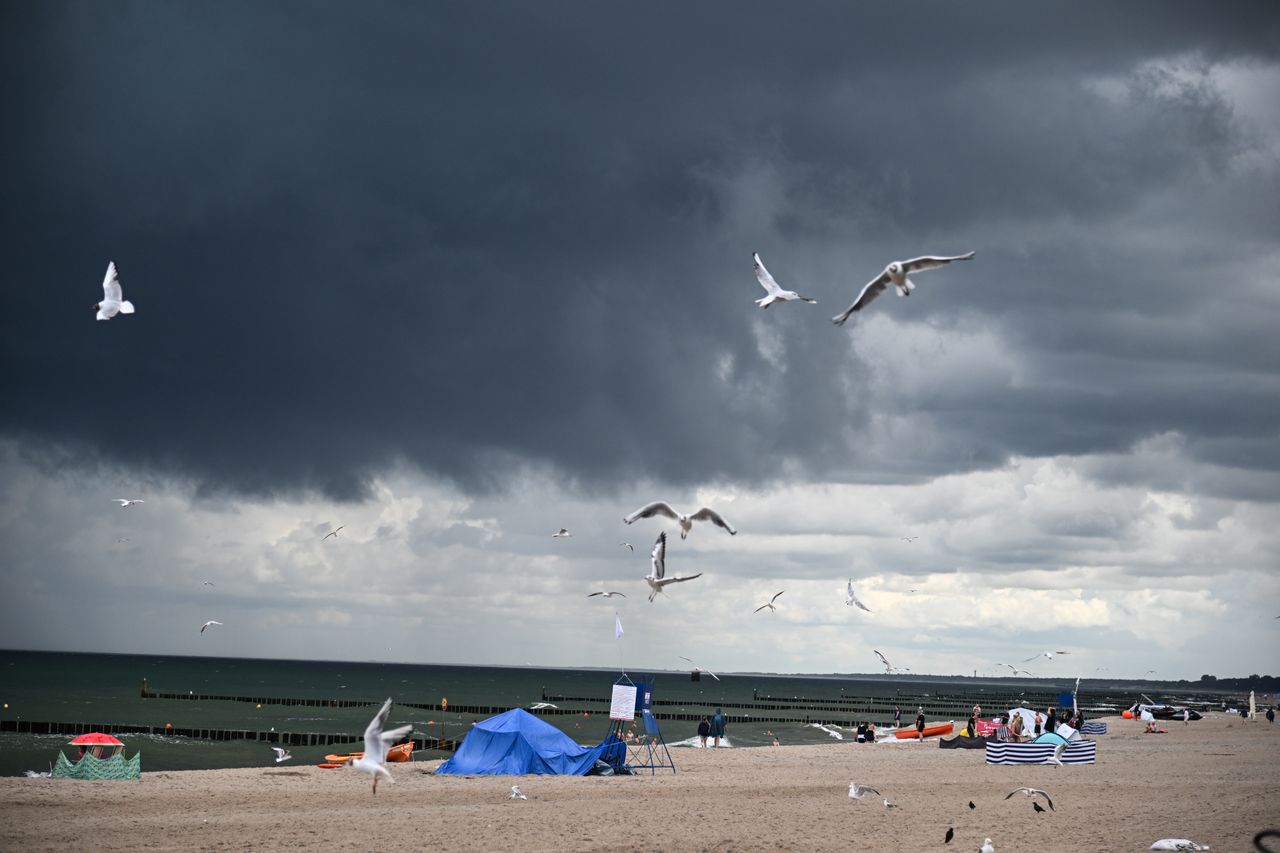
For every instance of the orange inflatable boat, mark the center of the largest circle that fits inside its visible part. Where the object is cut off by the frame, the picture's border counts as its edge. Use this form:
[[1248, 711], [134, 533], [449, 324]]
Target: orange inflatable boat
[[929, 731]]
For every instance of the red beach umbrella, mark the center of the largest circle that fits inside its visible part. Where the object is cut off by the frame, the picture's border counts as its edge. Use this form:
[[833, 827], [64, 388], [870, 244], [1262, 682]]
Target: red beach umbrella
[[96, 739]]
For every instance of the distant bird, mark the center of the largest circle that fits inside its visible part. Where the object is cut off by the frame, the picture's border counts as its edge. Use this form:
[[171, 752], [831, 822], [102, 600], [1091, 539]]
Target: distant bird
[[333, 533], [697, 668], [908, 538], [851, 598], [125, 503], [657, 574], [951, 833], [1031, 792], [896, 273], [1148, 672], [517, 794], [606, 594], [562, 534], [889, 804], [113, 301], [121, 540], [685, 521], [208, 583], [207, 624], [376, 741], [987, 847], [538, 706], [773, 293], [281, 754], [1048, 655], [971, 805], [1037, 807], [888, 667], [857, 792], [627, 545], [769, 604]]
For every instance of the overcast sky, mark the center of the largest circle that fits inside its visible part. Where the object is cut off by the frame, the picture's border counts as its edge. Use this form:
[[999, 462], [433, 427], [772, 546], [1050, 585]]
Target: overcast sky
[[456, 275]]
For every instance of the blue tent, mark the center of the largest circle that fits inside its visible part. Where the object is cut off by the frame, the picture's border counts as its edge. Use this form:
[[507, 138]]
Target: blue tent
[[516, 743]]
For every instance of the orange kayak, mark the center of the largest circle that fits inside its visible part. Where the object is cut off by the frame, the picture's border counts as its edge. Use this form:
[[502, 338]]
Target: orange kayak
[[403, 752], [929, 731], [328, 765]]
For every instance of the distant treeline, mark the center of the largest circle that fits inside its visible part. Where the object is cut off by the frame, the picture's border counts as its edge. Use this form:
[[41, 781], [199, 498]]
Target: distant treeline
[[1261, 683]]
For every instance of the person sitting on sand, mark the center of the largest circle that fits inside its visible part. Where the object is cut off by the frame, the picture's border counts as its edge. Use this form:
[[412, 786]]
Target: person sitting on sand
[[871, 732]]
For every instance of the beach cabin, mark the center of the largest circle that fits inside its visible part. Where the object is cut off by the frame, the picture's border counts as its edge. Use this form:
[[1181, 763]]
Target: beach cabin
[[98, 756]]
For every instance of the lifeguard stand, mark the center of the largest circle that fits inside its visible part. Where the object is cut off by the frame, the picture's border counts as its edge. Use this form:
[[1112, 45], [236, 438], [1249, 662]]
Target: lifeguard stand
[[649, 750]]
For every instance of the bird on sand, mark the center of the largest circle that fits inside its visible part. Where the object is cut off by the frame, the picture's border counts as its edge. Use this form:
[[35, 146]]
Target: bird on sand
[[697, 668], [657, 578], [561, 534], [208, 624], [606, 594], [1186, 844], [281, 754], [1056, 758], [851, 598], [1037, 807], [333, 532], [987, 847], [889, 804], [649, 510], [517, 794], [1031, 792], [951, 833], [125, 503], [773, 293], [857, 792], [376, 741], [769, 604], [113, 301], [971, 805], [896, 273]]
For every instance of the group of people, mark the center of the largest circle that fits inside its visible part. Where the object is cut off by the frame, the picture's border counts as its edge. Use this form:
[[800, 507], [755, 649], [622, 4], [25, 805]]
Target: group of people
[[713, 727], [1042, 723]]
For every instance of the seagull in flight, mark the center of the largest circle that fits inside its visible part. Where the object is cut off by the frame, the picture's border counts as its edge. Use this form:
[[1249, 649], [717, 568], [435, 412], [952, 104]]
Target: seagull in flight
[[606, 594], [850, 598], [517, 794], [888, 667], [657, 575], [1056, 758], [685, 521], [333, 532], [125, 503], [118, 541], [896, 273], [561, 534], [627, 545], [1031, 792], [697, 668], [908, 538], [207, 624], [376, 741], [857, 792], [539, 706], [1148, 672], [1048, 655], [208, 583], [281, 754], [113, 301], [769, 604], [773, 293]]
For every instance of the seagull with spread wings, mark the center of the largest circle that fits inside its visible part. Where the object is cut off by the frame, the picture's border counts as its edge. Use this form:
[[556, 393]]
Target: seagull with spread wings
[[208, 624], [685, 521], [896, 274], [769, 604], [333, 532], [281, 754], [657, 578], [1031, 792], [774, 293], [850, 598], [125, 503], [376, 741], [606, 594], [697, 668], [113, 301], [1048, 655]]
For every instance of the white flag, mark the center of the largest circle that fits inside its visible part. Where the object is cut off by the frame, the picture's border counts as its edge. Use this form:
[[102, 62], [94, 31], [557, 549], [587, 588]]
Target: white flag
[[617, 626]]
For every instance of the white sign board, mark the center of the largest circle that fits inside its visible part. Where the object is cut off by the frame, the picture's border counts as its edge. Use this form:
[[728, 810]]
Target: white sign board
[[623, 704]]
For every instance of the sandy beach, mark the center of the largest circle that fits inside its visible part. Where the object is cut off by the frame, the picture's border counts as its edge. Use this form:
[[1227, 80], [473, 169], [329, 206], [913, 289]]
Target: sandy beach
[[1211, 781]]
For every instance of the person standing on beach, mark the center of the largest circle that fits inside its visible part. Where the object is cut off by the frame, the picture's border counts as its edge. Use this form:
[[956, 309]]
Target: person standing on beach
[[1271, 716], [1051, 721], [717, 726], [1186, 716], [920, 723], [897, 717], [1039, 724], [704, 729]]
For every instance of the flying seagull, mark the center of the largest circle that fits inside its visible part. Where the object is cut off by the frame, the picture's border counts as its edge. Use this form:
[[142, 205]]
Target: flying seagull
[[896, 273], [1048, 655], [627, 545], [208, 583], [207, 624], [908, 538], [606, 594], [697, 668], [538, 706], [376, 741], [657, 575], [281, 754], [685, 521], [857, 792], [333, 532], [122, 540], [562, 534], [851, 598], [1031, 792], [125, 503], [517, 794], [888, 667], [773, 293], [769, 604], [113, 301]]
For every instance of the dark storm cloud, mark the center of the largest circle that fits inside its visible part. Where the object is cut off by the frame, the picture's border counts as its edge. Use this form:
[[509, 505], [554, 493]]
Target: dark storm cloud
[[479, 236]]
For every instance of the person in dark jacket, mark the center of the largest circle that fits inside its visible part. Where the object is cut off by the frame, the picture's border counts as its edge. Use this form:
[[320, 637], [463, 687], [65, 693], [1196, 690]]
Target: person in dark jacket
[[1051, 721], [704, 729], [717, 726]]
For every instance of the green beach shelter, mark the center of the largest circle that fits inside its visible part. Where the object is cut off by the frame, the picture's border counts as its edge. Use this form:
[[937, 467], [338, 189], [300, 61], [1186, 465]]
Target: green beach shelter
[[99, 756]]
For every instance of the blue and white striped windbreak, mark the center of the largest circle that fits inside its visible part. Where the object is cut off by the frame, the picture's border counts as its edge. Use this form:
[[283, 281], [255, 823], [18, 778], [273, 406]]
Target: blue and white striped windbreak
[[1093, 727], [1077, 752]]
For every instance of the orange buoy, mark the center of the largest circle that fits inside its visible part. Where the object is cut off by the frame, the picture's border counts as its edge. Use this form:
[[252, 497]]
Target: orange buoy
[[1128, 715]]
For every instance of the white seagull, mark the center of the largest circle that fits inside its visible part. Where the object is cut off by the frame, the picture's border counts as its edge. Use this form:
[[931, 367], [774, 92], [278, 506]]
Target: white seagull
[[908, 538], [850, 598], [538, 706], [208, 583], [376, 741], [685, 521], [207, 624], [987, 847], [281, 754], [562, 534], [896, 273], [517, 794], [333, 532], [697, 668], [1181, 844], [1031, 792], [769, 604], [888, 667], [1048, 655], [773, 293], [125, 503], [113, 301], [657, 575], [606, 594], [857, 792], [1056, 758], [888, 804], [627, 545]]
